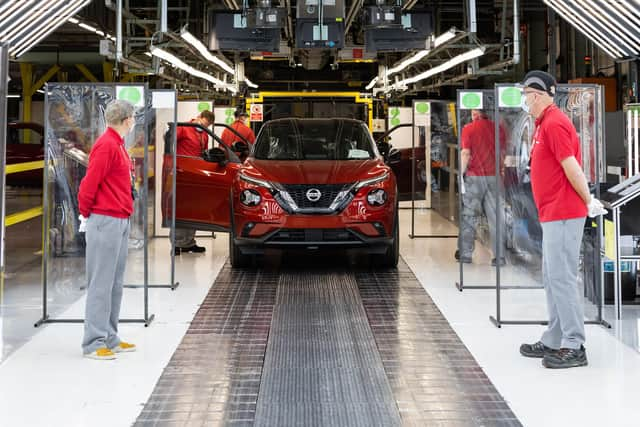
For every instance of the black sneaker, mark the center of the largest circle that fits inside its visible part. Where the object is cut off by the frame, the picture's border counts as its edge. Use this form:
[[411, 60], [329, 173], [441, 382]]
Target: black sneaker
[[566, 358], [502, 262], [195, 249], [538, 350], [177, 251], [457, 254]]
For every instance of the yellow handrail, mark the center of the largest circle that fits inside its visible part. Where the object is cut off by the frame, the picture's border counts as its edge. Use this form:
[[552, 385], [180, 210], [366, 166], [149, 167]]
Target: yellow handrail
[[23, 167], [23, 216]]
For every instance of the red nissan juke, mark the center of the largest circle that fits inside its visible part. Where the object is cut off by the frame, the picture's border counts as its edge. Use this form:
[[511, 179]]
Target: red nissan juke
[[307, 184]]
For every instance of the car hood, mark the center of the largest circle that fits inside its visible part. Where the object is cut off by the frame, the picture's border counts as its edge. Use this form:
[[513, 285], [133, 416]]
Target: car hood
[[315, 171]]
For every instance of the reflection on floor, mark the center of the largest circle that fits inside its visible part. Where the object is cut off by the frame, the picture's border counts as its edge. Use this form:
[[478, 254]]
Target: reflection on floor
[[47, 372]]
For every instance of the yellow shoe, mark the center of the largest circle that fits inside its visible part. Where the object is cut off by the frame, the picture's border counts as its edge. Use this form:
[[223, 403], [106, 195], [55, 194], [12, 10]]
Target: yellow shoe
[[124, 347], [102, 353]]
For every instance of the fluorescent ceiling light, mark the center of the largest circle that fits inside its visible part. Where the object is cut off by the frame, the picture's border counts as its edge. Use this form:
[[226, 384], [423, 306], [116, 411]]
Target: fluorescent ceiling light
[[87, 27], [148, 54], [474, 53], [176, 62], [15, 9], [605, 20], [372, 83], [53, 22], [200, 47], [250, 83], [13, 95], [13, 17], [596, 36], [73, 20], [438, 41], [20, 24]]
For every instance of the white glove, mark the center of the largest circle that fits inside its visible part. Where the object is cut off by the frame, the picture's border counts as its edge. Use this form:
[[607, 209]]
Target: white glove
[[83, 224], [596, 208]]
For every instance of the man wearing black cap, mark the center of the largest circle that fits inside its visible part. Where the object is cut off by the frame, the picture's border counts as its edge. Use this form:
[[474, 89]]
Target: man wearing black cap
[[561, 194], [239, 125]]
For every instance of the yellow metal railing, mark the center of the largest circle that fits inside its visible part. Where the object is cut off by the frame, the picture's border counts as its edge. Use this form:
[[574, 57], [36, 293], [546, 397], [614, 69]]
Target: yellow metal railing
[[28, 214]]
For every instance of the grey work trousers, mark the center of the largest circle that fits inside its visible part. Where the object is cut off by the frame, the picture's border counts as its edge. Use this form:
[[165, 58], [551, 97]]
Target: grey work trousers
[[480, 196], [185, 237], [106, 258], [561, 241]]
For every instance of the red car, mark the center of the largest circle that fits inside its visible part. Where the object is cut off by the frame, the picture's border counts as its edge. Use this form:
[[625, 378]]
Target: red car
[[307, 184], [21, 149]]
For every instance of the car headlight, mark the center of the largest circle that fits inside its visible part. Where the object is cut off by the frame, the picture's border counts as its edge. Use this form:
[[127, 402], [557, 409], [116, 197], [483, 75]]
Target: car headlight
[[250, 197], [371, 181], [377, 197], [256, 181]]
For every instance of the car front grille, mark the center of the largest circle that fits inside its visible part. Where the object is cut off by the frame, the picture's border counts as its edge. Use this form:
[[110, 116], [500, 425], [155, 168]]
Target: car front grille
[[314, 235], [328, 193]]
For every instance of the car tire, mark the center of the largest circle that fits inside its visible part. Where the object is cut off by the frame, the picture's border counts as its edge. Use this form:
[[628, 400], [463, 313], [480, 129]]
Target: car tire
[[391, 257], [236, 257]]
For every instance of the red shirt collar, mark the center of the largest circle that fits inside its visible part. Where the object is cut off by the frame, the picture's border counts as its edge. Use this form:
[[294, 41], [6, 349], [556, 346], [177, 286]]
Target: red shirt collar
[[544, 113], [115, 135]]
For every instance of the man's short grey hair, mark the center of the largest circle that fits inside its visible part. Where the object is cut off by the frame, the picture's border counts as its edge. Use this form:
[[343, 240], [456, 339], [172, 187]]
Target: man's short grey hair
[[118, 111]]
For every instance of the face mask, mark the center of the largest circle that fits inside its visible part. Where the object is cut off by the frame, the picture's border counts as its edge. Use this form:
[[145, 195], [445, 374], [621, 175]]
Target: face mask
[[525, 107]]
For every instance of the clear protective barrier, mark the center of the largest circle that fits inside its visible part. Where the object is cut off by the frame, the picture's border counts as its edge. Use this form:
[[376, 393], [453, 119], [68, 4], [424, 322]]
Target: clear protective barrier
[[444, 159], [480, 195], [74, 120], [519, 225]]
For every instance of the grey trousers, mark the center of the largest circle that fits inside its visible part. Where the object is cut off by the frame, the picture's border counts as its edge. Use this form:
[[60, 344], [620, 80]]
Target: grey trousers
[[561, 241], [480, 197], [185, 237], [106, 258]]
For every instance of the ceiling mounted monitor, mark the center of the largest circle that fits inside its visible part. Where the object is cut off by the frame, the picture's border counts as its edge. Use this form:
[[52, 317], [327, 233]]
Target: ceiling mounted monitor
[[413, 34], [383, 17], [230, 31], [266, 17]]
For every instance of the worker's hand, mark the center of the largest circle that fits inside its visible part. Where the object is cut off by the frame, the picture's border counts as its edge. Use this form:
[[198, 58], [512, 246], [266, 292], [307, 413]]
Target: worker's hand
[[83, 224], [595, 208]]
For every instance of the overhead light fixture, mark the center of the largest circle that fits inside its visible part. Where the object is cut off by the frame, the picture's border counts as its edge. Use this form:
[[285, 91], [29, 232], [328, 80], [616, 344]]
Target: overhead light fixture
[[148, 54], [456, 60], [587, 29], [38, 33], [23, 20], [73, 20], [250, 83], [200, 47], [13, 95], [178, 63], [372, 83], [438, 41], [15, 9], [606, 19]]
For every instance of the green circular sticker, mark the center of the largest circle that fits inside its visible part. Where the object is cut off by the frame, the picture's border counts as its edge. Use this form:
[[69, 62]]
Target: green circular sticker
[[203, 106], [131, 94], [228, 113], [471, 100], [422, 107], [395, 116], [511, 97]]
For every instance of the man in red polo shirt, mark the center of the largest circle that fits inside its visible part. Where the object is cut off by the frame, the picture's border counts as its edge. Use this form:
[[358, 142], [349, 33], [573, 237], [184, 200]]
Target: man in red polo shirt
[[240, 126], [192, 142], [562, 196], [105, 200], [478, 166]]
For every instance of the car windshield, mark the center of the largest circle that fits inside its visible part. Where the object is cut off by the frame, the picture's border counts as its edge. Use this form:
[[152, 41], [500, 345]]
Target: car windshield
[[314, 140]]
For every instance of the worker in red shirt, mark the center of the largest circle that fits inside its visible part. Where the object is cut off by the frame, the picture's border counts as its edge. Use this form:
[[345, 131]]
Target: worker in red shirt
[[478, 166], [562, 197], [105, 201], [192, 142], [228, 137]]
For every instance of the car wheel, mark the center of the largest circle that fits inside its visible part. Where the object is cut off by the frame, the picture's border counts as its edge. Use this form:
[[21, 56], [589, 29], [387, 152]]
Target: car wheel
[[236, 257], [390, 258]]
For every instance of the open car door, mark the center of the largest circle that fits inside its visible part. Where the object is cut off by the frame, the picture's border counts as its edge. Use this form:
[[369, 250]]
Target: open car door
[[202, 185]]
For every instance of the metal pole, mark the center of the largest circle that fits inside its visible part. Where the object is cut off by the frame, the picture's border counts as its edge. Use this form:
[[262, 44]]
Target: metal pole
[[498, 242], [460, 285], [4, 77], [45, 209], [118, 30], [145, 198], [163, 16], [413, 171], [616, 265], [174, 148]]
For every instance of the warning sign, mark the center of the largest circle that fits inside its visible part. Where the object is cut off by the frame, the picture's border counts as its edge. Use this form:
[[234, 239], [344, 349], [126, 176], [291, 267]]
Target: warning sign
[[256, 113]]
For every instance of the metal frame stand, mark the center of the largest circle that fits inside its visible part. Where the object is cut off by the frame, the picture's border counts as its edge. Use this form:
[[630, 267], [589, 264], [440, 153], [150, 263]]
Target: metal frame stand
[[147, 318], [497, 319], [427, 190], [173, 285], [4, 78]]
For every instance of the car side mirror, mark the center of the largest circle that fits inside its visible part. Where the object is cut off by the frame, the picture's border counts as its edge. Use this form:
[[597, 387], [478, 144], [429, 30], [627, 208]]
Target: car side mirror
[[215, 155], [240, 147], [383, 148], [394, 156]]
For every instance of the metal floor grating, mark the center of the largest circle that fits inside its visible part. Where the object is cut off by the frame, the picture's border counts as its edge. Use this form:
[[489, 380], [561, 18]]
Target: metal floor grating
[[322, 345]]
